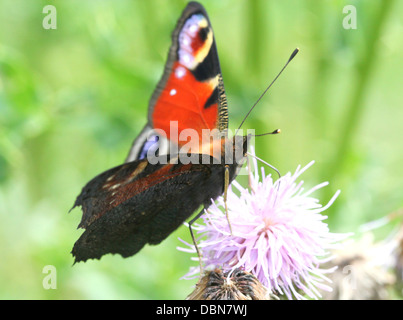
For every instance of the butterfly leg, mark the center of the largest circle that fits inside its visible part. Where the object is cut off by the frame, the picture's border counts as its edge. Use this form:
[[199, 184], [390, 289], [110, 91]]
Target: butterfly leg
[[194, 239], [226, 185], [248, 164]]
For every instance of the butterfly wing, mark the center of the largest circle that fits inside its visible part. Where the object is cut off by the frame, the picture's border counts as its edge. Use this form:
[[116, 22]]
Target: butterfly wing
[[191, 92], [137, 203]]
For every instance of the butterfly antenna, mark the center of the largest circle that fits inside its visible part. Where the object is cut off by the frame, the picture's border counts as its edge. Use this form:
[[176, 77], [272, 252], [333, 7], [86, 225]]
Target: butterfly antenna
[[267, 133], [272, 167], [261, 96]]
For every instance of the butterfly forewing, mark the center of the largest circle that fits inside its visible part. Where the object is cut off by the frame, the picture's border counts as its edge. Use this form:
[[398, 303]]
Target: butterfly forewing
[[190, 94]]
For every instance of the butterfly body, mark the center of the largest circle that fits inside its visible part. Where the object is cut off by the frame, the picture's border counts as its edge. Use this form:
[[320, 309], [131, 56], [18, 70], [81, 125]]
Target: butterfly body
[[143, 201]]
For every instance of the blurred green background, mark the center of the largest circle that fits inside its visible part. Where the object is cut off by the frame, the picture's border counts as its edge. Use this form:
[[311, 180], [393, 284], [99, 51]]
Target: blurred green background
[[72, 100]]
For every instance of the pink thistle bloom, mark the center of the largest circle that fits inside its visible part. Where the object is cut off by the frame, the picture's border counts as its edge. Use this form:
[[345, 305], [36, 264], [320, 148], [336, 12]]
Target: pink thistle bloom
[[278, 235]]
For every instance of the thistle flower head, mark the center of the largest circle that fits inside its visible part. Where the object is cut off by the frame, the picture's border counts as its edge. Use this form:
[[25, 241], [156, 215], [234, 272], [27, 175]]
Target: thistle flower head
[[278, 234], [232, 285], [364, 269]]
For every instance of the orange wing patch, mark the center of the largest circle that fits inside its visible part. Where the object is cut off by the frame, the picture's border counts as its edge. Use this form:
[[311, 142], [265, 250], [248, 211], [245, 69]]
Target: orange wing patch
[[183, 100], [190, 96]]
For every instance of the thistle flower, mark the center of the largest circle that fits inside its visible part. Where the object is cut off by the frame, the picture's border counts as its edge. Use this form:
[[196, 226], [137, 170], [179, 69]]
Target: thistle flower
[[399, 264], [364, 270], [236, 285], [278, 235]]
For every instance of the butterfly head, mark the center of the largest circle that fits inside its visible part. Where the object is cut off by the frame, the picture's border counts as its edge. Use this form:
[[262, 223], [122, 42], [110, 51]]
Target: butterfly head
[[236, 150]]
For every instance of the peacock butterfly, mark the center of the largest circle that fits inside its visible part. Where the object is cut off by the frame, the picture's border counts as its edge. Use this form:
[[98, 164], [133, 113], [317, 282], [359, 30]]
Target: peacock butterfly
[[165, 179]]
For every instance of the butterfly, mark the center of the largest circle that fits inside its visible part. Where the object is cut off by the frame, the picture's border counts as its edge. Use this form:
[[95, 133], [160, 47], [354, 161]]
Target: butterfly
[[145, 199]]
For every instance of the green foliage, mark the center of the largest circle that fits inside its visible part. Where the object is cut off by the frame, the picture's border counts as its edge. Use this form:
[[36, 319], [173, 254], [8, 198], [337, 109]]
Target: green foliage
[[73, 99]]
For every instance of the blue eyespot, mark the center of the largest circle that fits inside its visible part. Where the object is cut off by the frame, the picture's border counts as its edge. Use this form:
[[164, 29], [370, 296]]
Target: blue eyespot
[[152, 142]]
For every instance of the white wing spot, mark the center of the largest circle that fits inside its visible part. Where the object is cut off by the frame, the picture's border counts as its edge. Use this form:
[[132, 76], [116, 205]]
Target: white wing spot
[[172, 92], [193, 28], [117, 185], [180, 72], [110, 178]]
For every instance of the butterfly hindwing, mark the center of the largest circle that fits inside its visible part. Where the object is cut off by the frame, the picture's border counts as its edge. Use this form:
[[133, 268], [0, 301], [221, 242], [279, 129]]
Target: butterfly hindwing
[[191, 92]]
